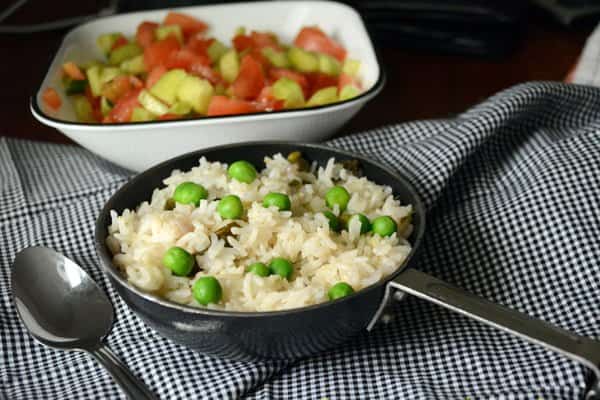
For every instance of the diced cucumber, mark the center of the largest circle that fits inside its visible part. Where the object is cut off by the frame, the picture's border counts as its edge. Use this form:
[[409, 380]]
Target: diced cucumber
[[140, 114], [351, 67], [134, 65], [329, 65], [278, 58], [289, 91], [348, 92], [107, 41], [303, 61], [220, 89], [105, 106], [180, 108], [229, 65], [83, 109], [93, 76], [125, 52], [240, 30], [168, 84], [216, 50], [323, 96], [164, 31], [74, 86], [90, 64], [151, 103], [107, 74], [196, 92]]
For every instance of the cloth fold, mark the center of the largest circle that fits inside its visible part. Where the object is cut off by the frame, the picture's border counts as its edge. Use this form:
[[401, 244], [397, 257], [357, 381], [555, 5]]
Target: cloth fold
[[512, 191]]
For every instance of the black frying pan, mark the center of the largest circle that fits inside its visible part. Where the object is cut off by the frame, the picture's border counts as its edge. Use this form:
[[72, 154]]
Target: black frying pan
[[305, 331]]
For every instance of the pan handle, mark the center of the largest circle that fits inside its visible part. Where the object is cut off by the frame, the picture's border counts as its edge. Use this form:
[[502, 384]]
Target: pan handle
[[578, 348]]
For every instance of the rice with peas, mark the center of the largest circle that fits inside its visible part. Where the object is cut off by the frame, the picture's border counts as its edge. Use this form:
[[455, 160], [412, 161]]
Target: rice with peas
[[321, 257]]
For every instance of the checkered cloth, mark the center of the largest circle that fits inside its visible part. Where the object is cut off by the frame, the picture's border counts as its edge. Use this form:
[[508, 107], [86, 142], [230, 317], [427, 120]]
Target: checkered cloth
[[512, 189]]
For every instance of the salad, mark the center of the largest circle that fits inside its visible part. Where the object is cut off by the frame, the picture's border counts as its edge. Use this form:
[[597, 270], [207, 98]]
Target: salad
[[176, 70]]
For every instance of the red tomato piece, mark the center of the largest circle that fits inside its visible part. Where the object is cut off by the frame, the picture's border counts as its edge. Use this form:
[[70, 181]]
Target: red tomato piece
[[277, 73], [121, 41], [345, 80], [242, 42], [267, 102], [51, 98], [314, 39], [145, 33], [264, 39], [199, 45], [136, 82], [250, 79], [189, 25], [318, 81], [184, 59], [154, 75], [72, 71], [205, 72], [116, 88], [158, 52], [122, 110], [168, 117], [222, 105]]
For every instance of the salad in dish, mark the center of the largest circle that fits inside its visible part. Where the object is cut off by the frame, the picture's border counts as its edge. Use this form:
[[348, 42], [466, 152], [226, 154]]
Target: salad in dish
[[177, 70]]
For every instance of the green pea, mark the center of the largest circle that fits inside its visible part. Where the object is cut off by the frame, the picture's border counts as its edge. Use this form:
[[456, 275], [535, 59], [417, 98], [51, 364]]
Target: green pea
[[242, 171], [259, 269], [384, 226], [230, 207], [365, 224], [340, 289], [339, 196], [282, 267], [189, 193], [279, 200], [207, 290], [179, 261], [334, 222]]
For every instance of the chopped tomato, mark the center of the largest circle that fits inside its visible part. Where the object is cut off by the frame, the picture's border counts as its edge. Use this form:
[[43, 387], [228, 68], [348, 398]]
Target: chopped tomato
[[168, 117], [154, 75], [90, 96], [222, 105], [97, 113], [116, 88], [242, 42], [277, 73], [122, 110], [51, 98], [189, 25], [346, 79], [318, 81], [264, 39], [184, 59], [250, 79], [267, 102], [145, 33], [206, 72], [72, 71], [157, 53], [314, 39], [136, 82], [199, 45], [121, 41]]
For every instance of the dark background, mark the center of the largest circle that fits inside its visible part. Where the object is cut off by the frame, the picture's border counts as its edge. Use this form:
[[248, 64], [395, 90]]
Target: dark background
[[425, 80]]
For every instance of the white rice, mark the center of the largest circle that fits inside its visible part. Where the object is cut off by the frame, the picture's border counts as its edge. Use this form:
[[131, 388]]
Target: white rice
[[321, 257]]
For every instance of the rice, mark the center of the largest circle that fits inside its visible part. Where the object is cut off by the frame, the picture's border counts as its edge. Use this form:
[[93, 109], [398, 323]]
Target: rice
[[321, 257]]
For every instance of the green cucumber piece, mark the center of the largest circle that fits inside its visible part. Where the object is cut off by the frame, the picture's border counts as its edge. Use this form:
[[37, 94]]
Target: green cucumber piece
[[220, 89], [290, 92], [140, 114], [134, 65], [303, 61], [107, 74], [93, 76], [105, 106], [240, 30], [168, 84], [323, 96], [151, 103], [83, 109], [74, 86], [196, 92], [329, 65], [106, 41], [278, 58], [216, 50], [351, 67], [125, 52], [348, 92], [164, 31], [180, 108], [229, 65]]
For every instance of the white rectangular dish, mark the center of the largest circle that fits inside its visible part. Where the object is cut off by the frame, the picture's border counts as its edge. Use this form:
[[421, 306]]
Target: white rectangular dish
[[139, 145]]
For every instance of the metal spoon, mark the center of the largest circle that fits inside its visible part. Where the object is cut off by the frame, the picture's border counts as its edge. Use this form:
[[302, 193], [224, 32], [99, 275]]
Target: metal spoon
[[62, 307]]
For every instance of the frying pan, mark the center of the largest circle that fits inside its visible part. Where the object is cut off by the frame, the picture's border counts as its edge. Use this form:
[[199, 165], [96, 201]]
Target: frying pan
[[309, 330]]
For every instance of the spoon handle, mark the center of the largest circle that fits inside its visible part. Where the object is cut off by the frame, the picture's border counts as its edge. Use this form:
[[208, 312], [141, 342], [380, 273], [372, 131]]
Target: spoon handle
[[133, 387]]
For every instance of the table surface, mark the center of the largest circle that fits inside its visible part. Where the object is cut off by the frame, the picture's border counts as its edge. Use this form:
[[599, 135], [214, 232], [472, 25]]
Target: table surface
[[421, 84]]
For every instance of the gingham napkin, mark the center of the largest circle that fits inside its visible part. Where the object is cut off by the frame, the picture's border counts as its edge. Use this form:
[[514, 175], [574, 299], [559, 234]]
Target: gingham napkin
[[512, 188]]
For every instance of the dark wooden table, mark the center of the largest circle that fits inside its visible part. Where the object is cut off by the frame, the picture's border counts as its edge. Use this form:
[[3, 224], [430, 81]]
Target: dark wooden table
[[420, 84]]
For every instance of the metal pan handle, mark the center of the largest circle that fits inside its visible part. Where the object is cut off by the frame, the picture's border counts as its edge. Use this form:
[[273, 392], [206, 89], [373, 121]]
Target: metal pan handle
[[578, 348]]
